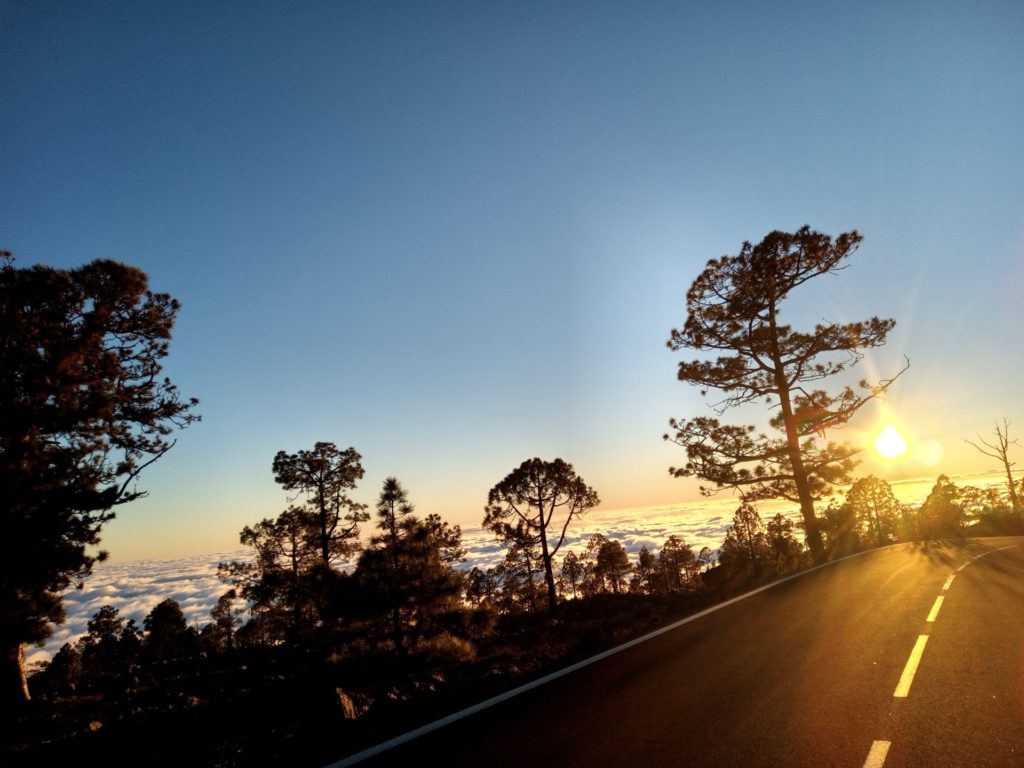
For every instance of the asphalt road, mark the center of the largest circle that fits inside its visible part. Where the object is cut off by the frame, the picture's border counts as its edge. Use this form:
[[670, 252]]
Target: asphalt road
[[802, 674]]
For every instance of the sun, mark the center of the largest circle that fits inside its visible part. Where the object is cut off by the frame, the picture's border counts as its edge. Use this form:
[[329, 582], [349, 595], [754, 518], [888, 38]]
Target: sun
[[890, 443]]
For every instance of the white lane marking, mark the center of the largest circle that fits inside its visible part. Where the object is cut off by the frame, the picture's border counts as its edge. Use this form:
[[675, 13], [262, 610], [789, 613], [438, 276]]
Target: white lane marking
[[877, 754], [903, 688], [949, 582], [985, 554], [935, 609]]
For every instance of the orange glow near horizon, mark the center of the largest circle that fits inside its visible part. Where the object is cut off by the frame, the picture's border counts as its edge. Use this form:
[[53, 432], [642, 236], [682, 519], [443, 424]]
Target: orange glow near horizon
[[890, 444]]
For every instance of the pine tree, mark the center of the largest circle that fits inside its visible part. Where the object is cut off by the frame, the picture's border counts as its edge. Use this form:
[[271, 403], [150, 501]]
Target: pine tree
[[734, 309], [84, 411]]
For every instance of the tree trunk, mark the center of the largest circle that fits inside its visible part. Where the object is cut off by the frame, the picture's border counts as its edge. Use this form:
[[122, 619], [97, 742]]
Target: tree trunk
[[17, 682], [1014, 500], [549, 574], [803, 488]]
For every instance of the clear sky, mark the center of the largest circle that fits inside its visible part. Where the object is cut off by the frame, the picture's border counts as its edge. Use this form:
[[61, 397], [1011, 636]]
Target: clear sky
[[457, 235]]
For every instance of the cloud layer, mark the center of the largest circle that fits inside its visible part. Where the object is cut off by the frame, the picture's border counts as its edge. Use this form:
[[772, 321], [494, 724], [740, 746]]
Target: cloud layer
[[134, 588]]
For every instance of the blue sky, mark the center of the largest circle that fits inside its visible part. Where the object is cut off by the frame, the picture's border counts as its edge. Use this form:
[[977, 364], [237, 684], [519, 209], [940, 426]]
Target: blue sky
[[457, 235]]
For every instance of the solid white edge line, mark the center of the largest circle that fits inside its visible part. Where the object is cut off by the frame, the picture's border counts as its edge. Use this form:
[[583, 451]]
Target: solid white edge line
[[934, 613], [463, 713], [907, 678], [877, 754], [984, 554], [949, 582]]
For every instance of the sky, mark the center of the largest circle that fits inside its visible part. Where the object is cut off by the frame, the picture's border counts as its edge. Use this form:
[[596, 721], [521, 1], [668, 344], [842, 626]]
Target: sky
[[457, 235]]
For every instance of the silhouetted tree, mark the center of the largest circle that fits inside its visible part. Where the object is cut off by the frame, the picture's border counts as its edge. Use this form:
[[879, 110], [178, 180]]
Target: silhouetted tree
[[677, 564], [1000, 451], [786, 551], [481, 587], [110, 645], [219, 635], [705, 559], [612, 565], [842, 529], [733, 308], [976, 501], [409, 568], [64, 672], [167, 635], [392, 507], [518, 574], [745, 549], [942, 513], [323, 476], [645, 579], [531, 495], [84, 411], [572, 571], [876, 508], [279, 582], [593, 579]]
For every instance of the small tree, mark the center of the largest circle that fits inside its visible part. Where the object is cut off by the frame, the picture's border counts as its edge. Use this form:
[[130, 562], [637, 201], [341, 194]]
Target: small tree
[[409, 568], [481, 587], [942, 513], [734, 309], [593, 579], [110, 645], [278, 582], [83, 411], [786, 551], [678, 564], [1000, 450], [612, 565], [219, 635], [64, 672], [842, 529], [572, 571], [531, 496], [705, 560], [168, 636], [392, 508], [745, 549], [323, 476], [645, 579], [876, 508], [517, 575]]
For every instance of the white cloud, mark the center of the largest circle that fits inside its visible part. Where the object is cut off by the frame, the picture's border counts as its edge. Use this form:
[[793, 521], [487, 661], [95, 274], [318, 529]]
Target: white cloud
[[134, 589]]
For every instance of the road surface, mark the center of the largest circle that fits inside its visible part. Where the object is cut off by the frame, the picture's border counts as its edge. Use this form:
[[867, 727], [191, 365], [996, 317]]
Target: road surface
[[911, 655]]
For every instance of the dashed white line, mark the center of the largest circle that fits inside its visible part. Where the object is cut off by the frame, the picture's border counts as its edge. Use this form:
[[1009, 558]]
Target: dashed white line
[[949, 582], [877, 754], [903, 687], [935, 609]]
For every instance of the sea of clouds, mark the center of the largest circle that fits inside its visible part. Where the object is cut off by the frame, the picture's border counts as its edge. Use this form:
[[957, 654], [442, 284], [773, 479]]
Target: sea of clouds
[[134, 588]]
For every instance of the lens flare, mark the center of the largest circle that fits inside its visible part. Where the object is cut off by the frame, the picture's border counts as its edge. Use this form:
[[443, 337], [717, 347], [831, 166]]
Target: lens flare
[[890, 443]]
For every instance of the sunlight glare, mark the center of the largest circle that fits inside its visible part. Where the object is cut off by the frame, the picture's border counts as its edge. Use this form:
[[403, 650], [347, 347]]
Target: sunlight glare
[[890, 443]]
